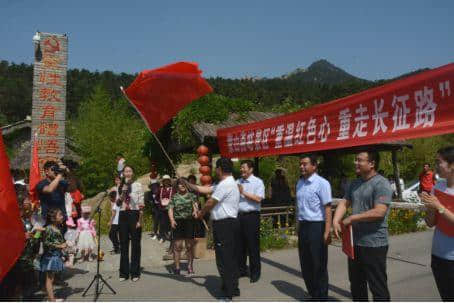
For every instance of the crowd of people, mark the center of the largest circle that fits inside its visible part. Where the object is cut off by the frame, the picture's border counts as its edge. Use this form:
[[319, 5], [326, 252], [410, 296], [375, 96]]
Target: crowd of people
[[62, 223], [57, 226]]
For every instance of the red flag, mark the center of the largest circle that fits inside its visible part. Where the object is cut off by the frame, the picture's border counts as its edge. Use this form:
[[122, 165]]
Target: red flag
[[12, 236], [159, 94], [35, 175]]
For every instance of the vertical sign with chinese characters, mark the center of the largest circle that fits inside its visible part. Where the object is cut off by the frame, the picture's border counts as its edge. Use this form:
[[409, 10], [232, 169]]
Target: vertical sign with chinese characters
[[49, 96]]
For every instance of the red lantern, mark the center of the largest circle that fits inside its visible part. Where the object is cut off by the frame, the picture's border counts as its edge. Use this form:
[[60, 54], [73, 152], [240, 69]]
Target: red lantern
[[205, 180], [203, 160], [205, 170], [202, 150]]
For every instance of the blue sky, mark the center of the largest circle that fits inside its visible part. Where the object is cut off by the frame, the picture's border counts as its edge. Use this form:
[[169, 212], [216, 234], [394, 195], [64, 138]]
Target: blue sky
[[234, 39]]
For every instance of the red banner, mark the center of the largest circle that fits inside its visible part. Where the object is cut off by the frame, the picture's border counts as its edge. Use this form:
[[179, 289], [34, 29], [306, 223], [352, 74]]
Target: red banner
[[418, 106]]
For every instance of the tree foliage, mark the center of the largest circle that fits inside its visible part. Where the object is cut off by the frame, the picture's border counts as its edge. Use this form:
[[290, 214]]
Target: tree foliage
[[212, 108], [101, 130]]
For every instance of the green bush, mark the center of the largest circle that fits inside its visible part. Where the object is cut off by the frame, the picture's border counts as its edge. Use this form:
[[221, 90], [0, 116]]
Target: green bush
[[402, 221], [271, 238]]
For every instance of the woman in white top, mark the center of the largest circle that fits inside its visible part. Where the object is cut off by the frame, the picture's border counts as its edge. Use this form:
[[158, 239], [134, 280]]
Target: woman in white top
[[131, 206], [443, 217]]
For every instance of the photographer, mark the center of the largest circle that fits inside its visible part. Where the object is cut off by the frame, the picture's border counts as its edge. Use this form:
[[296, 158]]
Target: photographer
[[51, 190]]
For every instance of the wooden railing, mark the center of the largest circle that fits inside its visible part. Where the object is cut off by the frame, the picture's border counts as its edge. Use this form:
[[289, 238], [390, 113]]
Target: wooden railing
[[279, 212], [288, 212]]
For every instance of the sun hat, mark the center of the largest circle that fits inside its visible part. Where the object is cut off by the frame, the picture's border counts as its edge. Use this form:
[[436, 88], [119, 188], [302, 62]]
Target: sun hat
[[86, 209], [166, 177]]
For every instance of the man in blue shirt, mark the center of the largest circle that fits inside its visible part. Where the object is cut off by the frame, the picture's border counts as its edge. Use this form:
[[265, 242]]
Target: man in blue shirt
[[313, 196], [252, 192]]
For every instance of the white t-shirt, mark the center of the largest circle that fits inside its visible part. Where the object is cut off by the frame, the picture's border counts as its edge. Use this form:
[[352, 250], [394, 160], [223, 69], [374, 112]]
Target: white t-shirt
[[228, 196], [116, 208]]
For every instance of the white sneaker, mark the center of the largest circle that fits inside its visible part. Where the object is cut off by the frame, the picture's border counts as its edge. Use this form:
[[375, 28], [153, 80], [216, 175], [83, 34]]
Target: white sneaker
[[135, 279], [161, 240], [154, 237], [122, 279]]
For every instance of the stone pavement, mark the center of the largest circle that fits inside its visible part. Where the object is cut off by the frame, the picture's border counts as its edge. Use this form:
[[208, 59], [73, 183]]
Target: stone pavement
[[409, 274]]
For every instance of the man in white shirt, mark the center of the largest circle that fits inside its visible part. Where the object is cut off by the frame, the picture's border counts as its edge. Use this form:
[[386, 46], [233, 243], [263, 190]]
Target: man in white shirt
[[252, 192], [223, 204]]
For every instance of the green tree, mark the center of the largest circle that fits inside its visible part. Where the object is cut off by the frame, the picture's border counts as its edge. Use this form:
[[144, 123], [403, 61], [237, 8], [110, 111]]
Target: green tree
[[212, 108], [101, 130]]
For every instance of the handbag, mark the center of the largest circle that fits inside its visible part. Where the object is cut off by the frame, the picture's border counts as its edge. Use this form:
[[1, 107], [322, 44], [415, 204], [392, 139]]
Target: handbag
[[166, 201]]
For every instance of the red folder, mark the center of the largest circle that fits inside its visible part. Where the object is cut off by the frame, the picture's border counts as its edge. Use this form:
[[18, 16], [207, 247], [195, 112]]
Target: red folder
[[347, 241], [447, 201]]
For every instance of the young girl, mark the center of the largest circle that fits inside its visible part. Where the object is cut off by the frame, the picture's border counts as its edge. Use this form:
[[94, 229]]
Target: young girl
[[71, 249], [53, 244], [86, 234], [114, 232]]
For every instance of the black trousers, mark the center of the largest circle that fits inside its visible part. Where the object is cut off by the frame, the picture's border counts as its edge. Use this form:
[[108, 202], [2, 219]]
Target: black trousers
[[128, 232], [443, 271], [114, 234], [249, 243], [313, 255], [155, 216], [164, 224], [369, 268], [225, 234]]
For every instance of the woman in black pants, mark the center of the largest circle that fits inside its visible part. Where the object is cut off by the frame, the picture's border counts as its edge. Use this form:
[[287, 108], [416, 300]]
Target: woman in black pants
[[130, 223]]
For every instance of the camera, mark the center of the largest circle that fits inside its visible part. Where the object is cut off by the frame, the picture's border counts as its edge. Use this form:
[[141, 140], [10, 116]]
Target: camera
[[56, 169]]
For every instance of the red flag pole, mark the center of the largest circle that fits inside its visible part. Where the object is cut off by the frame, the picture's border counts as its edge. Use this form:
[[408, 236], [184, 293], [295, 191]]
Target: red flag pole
[[34, 175], [160, 144]]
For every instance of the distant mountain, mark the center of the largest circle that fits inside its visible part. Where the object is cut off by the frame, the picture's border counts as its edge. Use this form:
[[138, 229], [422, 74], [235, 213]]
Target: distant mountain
[[322, 72], [410, 74]]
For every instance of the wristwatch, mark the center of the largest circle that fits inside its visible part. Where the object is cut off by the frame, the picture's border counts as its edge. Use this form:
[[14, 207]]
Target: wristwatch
[[441, 210]]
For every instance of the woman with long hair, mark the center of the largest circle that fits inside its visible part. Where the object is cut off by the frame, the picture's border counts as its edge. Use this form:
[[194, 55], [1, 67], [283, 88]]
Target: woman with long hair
[[442, 216], [131, 206]]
